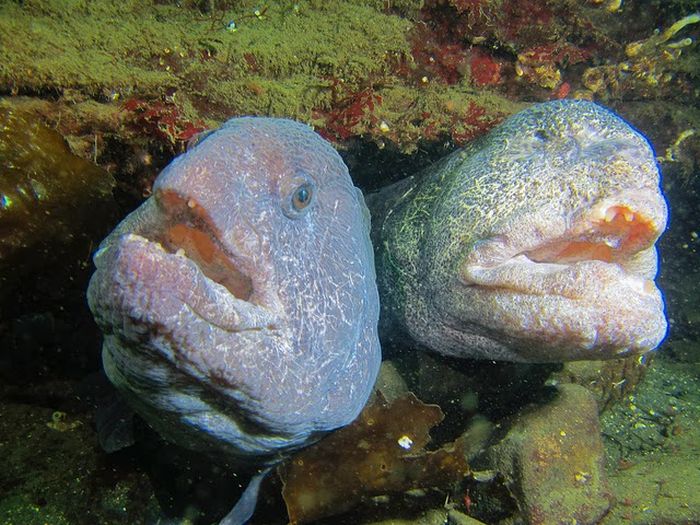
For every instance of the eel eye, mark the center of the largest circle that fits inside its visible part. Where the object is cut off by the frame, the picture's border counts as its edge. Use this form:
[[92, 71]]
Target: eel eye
[[302, 196], [541, 135], [298, 196]]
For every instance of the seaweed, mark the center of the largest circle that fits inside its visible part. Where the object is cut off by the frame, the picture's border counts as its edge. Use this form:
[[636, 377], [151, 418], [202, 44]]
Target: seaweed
[[382, 452]]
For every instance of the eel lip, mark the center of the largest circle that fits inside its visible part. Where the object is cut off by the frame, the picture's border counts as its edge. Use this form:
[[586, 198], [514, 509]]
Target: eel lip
[[146, 282], [579, 279], [620, 230], [172, 254]]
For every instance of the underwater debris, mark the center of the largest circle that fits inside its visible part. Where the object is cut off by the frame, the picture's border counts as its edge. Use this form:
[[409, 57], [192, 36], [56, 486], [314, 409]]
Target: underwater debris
[[672, 152], [654, 67], [611, 6], [382, 452], [59, 422]]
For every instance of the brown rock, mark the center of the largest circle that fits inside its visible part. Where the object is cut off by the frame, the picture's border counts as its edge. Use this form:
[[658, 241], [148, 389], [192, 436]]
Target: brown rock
[[552, 460]]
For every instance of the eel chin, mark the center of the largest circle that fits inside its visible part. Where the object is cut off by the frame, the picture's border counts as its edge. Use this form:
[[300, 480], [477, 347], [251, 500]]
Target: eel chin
[[582, 286]]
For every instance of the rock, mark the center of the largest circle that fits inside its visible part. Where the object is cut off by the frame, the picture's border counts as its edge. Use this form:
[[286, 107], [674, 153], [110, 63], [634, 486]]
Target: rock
[[390, 383], [433, 517], [457, 518], [609, 381], [552, 460]]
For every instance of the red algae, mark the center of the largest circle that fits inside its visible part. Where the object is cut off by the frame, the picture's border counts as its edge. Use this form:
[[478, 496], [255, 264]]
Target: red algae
[[485, 70], [163, 120]]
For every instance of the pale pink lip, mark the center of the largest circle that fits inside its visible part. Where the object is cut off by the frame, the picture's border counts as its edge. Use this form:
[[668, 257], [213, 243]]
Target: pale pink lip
[[613, 230], [585, 281]]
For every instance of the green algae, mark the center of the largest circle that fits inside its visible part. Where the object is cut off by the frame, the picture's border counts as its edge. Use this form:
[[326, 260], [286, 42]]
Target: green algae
[[18, 509], [458, 111], [311, 61], [55, 477], [145, 48], [77, 44]]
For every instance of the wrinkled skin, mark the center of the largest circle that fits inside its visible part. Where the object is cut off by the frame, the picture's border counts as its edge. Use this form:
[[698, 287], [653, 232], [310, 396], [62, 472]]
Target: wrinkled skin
[[535, 243], [238, 303]]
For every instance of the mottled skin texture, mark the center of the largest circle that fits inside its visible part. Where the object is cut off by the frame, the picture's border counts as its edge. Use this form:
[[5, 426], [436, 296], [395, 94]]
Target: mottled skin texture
[[238, 303], [535, 243]]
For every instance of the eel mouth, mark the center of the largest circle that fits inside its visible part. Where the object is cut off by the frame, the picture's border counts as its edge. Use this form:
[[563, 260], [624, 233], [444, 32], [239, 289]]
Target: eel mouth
[[188, 231], [173, 260], [618, 232], [611, 233], [585, 281]]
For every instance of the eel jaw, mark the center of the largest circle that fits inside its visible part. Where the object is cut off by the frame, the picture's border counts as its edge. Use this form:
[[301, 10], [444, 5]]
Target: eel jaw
[[583, 286], [173, 258], [142, 286]]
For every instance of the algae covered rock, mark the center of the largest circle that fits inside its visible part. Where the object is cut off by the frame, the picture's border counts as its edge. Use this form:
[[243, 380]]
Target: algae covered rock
[[69, 481], [609, 381], [553, 462]]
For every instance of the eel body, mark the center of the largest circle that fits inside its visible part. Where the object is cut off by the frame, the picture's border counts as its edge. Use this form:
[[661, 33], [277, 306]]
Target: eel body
[[535, 243], [238, 304]]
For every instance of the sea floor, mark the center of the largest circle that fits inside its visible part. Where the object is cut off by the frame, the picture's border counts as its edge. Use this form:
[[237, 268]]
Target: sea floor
[[54, 471]]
